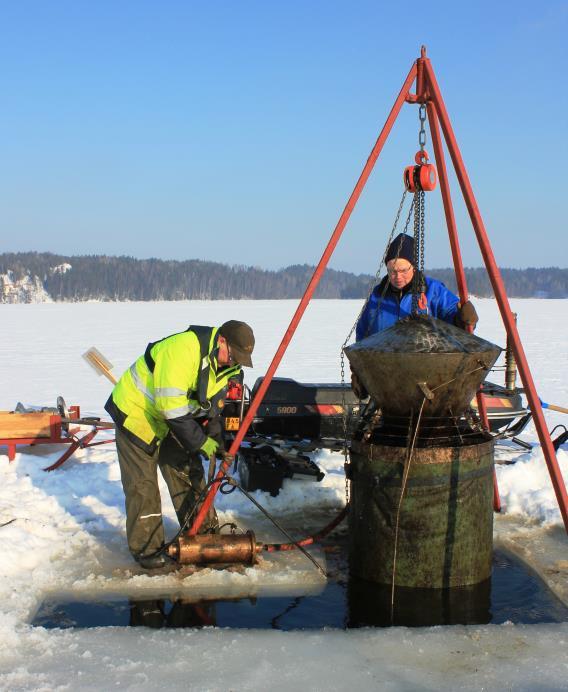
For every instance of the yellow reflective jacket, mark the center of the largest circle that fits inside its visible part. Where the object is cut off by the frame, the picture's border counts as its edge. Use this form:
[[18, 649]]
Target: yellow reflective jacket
[[161, 390]]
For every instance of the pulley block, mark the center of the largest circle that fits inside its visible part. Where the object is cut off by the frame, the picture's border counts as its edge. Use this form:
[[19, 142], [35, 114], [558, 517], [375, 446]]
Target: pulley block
[[422, 176]]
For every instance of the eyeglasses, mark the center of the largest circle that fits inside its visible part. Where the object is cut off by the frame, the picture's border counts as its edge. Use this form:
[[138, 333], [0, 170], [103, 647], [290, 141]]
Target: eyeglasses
[[403, 272]]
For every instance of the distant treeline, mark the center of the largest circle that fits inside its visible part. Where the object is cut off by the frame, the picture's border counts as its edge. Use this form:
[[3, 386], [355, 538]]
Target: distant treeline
[[545, 282], [100, 277]]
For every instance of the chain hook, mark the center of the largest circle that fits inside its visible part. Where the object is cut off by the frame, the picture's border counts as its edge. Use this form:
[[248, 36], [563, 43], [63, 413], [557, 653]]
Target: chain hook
[[423, 175], [422, 131]]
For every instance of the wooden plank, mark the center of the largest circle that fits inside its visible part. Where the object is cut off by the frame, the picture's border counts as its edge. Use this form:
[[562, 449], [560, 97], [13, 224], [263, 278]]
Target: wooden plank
[[15, 425]]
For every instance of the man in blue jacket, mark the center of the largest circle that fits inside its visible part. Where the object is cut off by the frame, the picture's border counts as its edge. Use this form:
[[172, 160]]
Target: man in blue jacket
[[391, 299]]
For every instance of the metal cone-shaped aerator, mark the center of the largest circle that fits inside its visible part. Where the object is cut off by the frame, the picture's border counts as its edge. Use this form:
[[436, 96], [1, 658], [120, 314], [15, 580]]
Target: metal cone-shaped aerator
[[419, 357]]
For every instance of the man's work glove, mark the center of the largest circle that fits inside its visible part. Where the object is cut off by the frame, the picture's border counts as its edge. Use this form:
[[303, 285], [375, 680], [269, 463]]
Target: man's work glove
[[225, 457], [466, 315], [214, 429], [209, 447], [358, 387]]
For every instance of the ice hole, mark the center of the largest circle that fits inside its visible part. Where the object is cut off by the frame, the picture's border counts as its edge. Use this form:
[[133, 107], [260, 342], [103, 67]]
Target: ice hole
[[514, 593]]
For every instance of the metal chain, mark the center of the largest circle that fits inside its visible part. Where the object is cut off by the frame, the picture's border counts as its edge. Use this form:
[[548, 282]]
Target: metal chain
[[374, 281], [344, 421], [422, 132], [422, 217], [419, 223], [418, 286], [417, 203], [422, 200]]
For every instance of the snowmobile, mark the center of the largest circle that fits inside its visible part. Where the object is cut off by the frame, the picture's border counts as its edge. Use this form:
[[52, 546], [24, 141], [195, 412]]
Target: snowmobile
[[297, 418]]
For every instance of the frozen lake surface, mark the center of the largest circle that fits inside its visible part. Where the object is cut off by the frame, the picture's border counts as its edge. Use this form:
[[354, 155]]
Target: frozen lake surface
[[68, 529]]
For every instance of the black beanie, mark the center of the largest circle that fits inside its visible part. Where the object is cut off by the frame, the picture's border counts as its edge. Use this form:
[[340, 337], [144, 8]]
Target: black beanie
[[402, 247]]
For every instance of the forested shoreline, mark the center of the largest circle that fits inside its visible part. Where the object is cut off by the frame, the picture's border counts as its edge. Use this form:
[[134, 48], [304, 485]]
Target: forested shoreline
[[108, 278]]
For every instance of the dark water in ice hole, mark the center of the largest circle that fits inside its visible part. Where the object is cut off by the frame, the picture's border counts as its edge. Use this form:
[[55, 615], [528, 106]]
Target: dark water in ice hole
[[514, 593]]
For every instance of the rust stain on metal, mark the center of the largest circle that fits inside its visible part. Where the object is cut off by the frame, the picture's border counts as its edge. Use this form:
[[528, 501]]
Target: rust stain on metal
[[422, 350], [426, 455], [205, 549]]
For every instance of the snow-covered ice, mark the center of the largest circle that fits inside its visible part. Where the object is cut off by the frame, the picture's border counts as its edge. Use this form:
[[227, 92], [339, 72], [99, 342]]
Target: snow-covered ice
[[68, 530]]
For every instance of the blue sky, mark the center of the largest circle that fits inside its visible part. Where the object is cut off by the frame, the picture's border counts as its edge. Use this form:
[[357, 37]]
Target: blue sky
[[235, 131]]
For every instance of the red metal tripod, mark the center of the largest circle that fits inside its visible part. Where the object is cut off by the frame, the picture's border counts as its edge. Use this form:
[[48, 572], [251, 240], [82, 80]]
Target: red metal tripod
[[427, 92]]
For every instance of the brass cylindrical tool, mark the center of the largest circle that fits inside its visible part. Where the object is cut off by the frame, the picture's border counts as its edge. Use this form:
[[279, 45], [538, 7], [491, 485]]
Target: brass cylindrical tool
[[206, 549]]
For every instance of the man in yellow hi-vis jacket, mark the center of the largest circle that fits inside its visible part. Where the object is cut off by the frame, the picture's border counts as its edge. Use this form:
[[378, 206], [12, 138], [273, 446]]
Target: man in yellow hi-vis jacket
[[166, 408]]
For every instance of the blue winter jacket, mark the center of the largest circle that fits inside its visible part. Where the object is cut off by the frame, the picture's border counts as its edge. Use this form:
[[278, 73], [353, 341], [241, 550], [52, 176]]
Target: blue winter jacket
[[397, 304]]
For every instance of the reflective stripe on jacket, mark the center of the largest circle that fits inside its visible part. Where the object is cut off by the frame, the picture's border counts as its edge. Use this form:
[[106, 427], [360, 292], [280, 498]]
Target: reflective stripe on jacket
[[396, 305], [143, 403]]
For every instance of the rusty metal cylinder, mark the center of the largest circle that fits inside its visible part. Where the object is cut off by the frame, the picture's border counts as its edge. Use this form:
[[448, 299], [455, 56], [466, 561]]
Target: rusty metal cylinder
[[445, 527], [205, 549]]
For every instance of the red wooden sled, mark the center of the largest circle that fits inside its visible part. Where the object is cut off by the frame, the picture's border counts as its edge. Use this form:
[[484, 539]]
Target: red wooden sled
[[50, 428]]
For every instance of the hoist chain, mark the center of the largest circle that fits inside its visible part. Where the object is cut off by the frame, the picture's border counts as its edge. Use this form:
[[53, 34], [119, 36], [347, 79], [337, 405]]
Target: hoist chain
[[372, 285], [422, 217], [418, 286], [414, 304], [422, 131], [344, 421], [419, 213], [376, 279], [422, 198]]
